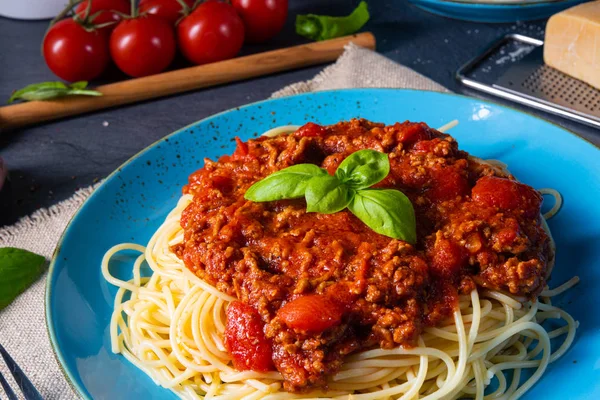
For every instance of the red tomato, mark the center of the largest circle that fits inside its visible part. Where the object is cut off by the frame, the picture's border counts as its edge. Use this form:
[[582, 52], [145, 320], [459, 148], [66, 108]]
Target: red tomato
[[212, 32], [508, 195], [447, 258], [143, 46], [310, 129], [242, 148], [413, 133], [447, 184], [263, 19], [169, 10], [122, 6], [73, 53], [245, 340], [312, 313]]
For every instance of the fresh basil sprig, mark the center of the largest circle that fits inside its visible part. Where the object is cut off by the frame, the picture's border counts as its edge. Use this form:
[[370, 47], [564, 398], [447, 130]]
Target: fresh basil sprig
[[18, 270], [363, 168], [327, 195], [288, 183], [322, 27], [51, 90], [372, 206], [386, 211]]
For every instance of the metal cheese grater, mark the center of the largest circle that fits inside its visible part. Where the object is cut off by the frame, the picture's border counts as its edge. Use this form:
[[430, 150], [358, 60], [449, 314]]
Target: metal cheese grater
[[529, 81]]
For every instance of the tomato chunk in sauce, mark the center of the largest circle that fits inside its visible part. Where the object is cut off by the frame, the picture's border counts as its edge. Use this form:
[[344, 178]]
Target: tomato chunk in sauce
[[312, 313], [310, 130], [507, 194], [245, 340], [313, 288]]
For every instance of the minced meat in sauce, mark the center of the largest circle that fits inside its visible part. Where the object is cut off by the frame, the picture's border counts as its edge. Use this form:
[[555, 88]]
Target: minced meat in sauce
[[313, 288]]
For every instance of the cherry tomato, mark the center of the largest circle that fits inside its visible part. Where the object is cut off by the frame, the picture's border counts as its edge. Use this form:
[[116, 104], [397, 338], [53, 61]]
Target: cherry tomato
[[142, 46], [212, 32], [73, 53], [166, 9], [107, 15], [263, 19]]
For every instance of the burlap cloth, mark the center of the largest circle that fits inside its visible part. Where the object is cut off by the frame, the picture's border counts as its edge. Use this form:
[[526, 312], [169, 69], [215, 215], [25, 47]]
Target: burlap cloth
[[22, 325]]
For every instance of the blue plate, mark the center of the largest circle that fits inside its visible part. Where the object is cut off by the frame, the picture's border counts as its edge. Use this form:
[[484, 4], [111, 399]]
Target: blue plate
[[495, 12], [130, 205]]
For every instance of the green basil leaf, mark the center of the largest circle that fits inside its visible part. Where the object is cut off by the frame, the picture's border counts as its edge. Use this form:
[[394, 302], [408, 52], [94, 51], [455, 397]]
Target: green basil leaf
[[18, 94], [43, 85], [288, 183], [87, 92], [78, 85], [322, 27], [43, 94], [327, 195], [18, 270], [363, 168], [386, 211], [51, 90]]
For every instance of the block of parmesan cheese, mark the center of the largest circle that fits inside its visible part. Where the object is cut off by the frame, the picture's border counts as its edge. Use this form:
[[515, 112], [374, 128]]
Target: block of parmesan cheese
[[572, 42]]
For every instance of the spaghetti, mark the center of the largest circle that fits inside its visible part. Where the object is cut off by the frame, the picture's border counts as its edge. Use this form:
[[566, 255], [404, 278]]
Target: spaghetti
[[171, 325], [155, 330]]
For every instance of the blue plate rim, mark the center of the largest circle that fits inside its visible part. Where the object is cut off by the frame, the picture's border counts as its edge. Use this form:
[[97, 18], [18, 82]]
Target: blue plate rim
[[51, 268]]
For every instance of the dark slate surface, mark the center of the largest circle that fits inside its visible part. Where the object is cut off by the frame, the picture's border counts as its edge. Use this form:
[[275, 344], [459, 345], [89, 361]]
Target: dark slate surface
[[49, 162]]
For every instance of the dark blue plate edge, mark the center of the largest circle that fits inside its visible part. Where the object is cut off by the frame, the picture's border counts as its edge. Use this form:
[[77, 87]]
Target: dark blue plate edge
[[510, 12], [76, 386], [512, 5]]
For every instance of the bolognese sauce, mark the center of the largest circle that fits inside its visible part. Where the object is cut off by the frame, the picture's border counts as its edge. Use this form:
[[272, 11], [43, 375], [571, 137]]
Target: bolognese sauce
[[313, 288]]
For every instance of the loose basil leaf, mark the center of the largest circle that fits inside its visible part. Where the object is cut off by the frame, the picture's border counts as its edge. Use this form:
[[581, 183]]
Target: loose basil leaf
[[288, 183], [47, 94], [327, 195], [18, 94], [82, 92], [322, 27], [51, 90], [79, 85], [363, 168], [43, 94], [386, 211], [18, 270]]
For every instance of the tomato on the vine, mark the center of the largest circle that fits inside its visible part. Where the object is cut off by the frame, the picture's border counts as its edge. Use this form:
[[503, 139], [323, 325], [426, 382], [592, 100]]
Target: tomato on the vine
[[106, 7], [263, 19], [212, 32], [142, 46], [74, 53], [170, 10]]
